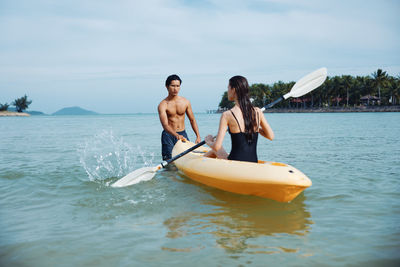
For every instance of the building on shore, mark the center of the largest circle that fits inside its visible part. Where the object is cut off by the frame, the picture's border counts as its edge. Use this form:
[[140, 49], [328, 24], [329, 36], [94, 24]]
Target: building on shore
[[369, 100]]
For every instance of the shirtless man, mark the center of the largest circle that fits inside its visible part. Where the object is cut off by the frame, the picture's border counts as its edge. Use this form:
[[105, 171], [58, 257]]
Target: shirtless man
[[172, 116]]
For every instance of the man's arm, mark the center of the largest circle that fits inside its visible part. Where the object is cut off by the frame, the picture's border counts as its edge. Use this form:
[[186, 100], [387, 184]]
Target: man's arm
[[162, 113], [193, 122]]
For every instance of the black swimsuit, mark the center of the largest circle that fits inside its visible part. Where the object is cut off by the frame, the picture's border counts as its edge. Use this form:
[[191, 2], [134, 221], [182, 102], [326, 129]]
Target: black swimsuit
[[243, 150]]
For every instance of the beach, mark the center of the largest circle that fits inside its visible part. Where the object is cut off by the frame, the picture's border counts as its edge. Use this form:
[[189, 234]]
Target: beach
[[13, 114]]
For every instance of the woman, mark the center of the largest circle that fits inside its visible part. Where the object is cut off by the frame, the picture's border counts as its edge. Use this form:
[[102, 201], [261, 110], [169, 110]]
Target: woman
[[244, 123]]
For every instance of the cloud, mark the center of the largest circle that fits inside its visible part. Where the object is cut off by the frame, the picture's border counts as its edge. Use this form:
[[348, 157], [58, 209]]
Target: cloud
[[133, 44]]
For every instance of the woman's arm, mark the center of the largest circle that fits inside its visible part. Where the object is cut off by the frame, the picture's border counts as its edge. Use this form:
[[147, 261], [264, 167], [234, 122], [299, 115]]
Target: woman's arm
[[265, 130], [223, 126]]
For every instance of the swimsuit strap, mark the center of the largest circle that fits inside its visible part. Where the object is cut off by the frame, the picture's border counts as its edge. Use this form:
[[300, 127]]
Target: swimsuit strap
[[236, 121]]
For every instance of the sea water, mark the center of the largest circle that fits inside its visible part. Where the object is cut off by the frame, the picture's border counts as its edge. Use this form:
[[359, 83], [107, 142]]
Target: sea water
[[57, 207]]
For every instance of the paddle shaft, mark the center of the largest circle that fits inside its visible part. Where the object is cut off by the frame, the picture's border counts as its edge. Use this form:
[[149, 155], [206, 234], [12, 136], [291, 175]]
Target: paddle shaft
[[165, 163], [270, 105], [303, 86]]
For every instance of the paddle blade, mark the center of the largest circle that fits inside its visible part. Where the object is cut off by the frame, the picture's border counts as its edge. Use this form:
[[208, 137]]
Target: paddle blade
[[308, 83], [137, 176]]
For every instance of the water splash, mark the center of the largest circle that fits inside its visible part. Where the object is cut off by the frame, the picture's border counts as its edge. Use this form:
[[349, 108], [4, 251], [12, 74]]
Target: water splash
[[105, 156]]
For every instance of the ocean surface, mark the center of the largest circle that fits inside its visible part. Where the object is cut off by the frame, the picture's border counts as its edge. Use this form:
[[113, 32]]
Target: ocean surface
[[57, 207]]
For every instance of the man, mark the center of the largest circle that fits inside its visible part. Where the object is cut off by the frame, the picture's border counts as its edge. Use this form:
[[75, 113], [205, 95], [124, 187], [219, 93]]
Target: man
[[172, 116]]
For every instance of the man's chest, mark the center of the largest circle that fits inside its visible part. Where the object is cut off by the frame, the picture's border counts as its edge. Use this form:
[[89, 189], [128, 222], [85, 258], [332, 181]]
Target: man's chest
[[176, 108]]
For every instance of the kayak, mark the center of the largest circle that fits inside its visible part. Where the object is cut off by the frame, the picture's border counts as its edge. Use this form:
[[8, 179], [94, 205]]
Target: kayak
[[273, 180]]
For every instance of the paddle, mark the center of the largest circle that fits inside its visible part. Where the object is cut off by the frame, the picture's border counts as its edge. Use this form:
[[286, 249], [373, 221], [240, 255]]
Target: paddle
[[303, 86], [146, 173]]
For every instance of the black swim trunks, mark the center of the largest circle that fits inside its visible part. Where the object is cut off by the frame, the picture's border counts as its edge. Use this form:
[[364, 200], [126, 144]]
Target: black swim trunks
[[168, 141]]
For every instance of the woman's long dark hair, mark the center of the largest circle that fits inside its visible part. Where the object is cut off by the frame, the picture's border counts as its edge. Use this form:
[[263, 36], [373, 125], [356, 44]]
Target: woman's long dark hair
[[249, 114]]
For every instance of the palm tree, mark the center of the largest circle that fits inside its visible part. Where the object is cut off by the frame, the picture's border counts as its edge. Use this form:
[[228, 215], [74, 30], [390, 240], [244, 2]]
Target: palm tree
[[393, 89], [259, 93], [286, 88], [337, 89], [347, 83], [357, 90], [21, 103], [278, 89], [397, 91], [332, 92], [367, 86], [380, 78], [326, 90], [4, 107]]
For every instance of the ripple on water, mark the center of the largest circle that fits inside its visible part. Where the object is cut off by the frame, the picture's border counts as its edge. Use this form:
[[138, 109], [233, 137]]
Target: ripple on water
[[105, 155]]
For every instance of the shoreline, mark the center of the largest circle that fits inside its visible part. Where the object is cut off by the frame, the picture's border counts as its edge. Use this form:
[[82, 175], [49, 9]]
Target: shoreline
[[336, 109], [328, 109], [272, 110], [13, 114]]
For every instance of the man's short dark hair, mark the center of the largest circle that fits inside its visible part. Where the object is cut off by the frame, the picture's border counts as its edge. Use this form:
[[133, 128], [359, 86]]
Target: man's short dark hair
[[172, 78]]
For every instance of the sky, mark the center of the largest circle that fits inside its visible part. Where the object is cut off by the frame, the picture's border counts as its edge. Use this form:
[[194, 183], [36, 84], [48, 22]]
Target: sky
[[114, 56]]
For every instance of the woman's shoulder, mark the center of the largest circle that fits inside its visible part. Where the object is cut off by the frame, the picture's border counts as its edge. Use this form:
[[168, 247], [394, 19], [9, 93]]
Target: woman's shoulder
[[235, 111], [258, 110], [226, 113]]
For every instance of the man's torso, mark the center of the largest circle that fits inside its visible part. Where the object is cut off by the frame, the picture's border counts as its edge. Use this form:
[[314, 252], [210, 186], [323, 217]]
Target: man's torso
[[176, 110]]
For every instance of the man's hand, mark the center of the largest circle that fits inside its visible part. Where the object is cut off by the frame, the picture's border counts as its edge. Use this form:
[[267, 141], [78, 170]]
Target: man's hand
[[181, 137], [198, 140]]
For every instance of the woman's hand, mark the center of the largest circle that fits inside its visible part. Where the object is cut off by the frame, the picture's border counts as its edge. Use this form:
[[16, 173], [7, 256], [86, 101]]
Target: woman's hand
[[209, 140]]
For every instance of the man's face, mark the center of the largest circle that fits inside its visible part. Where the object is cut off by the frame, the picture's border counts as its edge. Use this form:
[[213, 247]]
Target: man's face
[[174, 87]]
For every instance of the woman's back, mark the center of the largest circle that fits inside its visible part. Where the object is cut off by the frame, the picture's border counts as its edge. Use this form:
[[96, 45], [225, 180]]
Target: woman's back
[[244, 147], [244, 123]]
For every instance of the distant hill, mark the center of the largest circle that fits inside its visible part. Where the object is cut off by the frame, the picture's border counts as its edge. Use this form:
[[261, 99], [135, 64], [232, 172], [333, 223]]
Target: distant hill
[[35, 113], [74, 111]]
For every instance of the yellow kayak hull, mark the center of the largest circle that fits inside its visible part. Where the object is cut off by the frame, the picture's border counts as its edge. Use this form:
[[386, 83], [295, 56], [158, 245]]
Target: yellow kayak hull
[[273, 180]]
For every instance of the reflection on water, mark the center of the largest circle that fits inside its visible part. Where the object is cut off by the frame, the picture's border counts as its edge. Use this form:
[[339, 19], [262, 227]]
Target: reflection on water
[[241, 224]]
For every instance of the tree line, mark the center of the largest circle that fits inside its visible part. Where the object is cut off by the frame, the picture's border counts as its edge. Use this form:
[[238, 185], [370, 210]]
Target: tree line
[[20, 104], [339, 91]]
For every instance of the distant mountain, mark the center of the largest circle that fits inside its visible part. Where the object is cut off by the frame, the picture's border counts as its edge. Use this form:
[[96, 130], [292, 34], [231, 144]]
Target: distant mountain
[[74, 111], [35, 113]]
